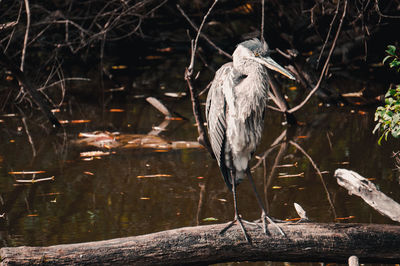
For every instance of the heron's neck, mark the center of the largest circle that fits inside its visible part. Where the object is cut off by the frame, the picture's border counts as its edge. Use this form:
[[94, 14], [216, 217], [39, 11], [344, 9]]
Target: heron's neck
[[251, 94], [257, 82]]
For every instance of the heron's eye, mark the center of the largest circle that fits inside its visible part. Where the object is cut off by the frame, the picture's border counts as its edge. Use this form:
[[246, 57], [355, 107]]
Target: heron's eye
[[256, 54]]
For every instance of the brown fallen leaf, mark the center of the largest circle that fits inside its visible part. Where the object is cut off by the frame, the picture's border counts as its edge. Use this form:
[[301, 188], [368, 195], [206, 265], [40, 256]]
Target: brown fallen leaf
[[116, 110], [119, 67], [345, 218], [88, 173]]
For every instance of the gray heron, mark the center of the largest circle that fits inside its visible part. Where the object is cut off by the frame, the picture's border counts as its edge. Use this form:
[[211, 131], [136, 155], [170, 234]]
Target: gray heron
[[235, 115]]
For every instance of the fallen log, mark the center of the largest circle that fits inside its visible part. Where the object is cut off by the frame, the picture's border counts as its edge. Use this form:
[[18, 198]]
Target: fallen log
[[205, 245], [362, 187]]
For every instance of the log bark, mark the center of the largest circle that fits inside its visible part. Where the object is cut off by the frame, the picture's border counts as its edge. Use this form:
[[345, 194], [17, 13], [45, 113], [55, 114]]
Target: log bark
[[205, 245]]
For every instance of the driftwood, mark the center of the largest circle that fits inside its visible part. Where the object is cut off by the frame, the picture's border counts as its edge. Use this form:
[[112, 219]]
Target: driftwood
[[362, 187], [205, 245]]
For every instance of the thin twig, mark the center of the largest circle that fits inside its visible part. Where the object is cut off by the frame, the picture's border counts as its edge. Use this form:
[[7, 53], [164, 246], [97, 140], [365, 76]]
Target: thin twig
[[329, 33], [294, 109], [380, 13], [194, 48], [272, 147], [28, 25], [203, 138], [29, 137], [201, 202], [262, 21], [220, 51], [319, 174]]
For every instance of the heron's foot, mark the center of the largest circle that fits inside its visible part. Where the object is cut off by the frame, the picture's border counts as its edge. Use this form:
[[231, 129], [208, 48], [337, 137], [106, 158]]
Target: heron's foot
[[264, 219], [241, 221]]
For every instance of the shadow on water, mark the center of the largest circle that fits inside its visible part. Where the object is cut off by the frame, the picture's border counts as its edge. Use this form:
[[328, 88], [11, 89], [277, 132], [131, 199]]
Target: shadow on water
[[103, 197]]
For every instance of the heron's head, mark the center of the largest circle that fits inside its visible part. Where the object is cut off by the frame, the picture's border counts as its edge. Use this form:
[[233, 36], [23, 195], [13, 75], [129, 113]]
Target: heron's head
[[251, 55]]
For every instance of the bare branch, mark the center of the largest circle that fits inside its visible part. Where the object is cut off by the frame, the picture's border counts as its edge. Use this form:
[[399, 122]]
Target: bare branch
[[380, 13], [28, 25], [329, 33], [294, 109], [220, 51], [262, 20]]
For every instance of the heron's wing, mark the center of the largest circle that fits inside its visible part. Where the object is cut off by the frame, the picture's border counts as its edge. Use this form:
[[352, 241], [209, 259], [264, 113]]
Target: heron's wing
[[216, 108], [216, 120]]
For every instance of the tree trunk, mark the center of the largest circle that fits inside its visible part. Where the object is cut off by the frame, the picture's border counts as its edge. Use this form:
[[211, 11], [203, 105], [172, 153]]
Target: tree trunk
[[205, 245]]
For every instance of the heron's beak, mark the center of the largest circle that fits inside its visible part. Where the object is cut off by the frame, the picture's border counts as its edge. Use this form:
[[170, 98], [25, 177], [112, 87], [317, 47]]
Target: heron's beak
[[271, 64]]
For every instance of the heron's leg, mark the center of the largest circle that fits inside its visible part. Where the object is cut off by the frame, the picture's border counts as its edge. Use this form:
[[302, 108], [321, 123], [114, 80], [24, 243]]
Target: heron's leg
[[237, 216], [264, 215]]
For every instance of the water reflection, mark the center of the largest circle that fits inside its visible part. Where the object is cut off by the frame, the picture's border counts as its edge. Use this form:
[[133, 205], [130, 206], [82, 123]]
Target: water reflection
[[103, 198]]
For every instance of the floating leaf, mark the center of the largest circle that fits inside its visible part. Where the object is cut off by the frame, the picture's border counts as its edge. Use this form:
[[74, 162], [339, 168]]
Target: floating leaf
[[166, 150], [292, 219], [94, 153], [77, 121], [153, 57], [151, 176], [165, 50], [345, 218], [116, 110], [88, 173], [210, 219], [119, 67]]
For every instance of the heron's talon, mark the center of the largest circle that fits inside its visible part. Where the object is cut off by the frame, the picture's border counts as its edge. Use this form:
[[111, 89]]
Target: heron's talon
[[240, 221]]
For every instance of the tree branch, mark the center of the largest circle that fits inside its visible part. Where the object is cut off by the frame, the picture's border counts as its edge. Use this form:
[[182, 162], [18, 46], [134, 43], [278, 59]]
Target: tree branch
[[294, 109]]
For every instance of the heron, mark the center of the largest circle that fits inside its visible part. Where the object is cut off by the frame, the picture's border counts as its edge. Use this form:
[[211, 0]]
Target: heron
[[235, 116]]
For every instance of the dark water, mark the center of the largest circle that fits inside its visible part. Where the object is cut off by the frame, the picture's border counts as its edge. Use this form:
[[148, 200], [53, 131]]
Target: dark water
[[103, 198]]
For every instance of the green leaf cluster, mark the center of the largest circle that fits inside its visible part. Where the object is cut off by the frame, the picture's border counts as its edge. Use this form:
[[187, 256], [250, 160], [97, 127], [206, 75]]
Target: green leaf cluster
[[393, 57], [388, 116]]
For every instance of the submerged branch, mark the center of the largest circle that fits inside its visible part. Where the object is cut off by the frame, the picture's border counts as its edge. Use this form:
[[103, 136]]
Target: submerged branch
[[36, 96]]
